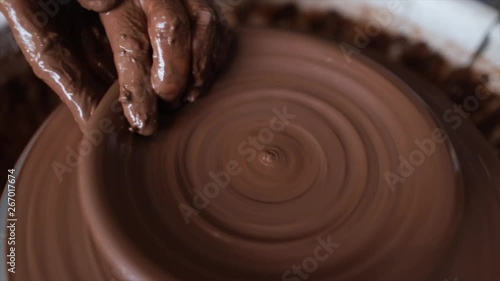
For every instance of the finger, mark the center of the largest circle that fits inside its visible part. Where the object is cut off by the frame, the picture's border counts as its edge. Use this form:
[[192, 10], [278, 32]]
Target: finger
[[219, 53], [51, 60], [99, 6], [203, 28], [170, 36], [126, 28]]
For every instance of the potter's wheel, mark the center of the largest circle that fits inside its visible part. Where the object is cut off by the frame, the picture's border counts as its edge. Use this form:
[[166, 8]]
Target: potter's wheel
[[305, 138]]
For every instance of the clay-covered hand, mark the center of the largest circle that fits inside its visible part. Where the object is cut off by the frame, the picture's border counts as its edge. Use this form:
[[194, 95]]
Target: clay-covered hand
[[161, 48]]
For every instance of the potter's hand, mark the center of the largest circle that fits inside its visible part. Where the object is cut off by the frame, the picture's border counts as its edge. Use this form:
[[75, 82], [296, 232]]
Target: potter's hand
[[161, 48]]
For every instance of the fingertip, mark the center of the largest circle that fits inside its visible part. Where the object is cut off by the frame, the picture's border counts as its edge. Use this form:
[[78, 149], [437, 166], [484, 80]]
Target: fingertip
[[169, 91], [148, 129], [145, 125], [140, 109]]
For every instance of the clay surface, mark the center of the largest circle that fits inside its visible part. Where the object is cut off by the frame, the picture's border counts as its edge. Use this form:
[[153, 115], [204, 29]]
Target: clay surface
[[288, 154]]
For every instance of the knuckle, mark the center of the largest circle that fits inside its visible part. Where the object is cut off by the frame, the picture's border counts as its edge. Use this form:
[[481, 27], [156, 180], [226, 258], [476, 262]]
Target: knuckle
[[168, 91], [168, 21], [170, 28], [133, 44], [178, 22]]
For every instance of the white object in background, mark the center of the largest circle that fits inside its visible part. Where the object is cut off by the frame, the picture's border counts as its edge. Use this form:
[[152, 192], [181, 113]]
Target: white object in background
[[453, 28]]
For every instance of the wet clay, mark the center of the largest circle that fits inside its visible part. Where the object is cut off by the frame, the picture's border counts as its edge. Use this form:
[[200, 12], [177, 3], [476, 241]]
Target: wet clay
[[25, 93], [161, 49], [287, 154], [78, 68]]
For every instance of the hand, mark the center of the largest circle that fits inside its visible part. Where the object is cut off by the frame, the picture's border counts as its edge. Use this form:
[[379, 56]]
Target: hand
[[161, 48]]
